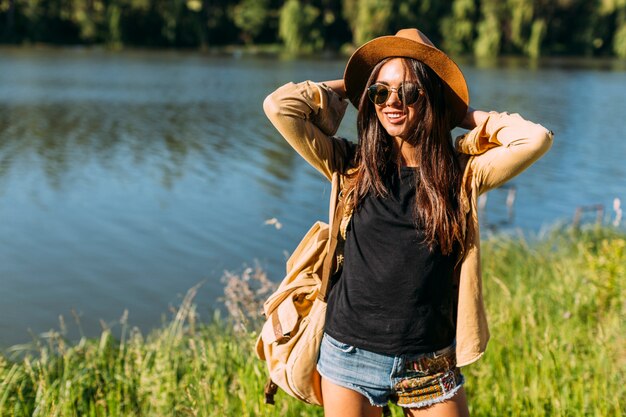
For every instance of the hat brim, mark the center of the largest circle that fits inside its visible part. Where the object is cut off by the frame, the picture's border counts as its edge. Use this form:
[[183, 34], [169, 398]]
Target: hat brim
[[365, 58]]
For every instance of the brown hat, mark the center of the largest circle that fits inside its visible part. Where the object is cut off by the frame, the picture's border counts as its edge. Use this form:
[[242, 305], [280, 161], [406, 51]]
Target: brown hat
[[408, 43]]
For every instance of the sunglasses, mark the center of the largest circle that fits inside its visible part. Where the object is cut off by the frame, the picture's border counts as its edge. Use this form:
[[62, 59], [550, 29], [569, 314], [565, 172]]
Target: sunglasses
[[408, 93]]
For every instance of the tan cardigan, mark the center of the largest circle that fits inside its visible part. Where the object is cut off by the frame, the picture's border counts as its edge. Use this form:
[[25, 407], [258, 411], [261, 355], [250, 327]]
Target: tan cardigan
[[308, 114]]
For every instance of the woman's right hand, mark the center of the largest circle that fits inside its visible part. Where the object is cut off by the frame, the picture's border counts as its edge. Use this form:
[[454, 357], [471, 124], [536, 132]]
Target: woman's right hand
[[337, 86]]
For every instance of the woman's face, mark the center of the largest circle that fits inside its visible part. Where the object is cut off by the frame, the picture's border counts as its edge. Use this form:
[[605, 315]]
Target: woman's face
[[396, 118]]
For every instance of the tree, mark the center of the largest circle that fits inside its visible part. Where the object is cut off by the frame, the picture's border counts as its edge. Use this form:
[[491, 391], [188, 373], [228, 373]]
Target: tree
[[84, 16], [458, 28], [619, 42], [350, 11], [537, 34], [521, 20], [170, 11], [487, 44], [619, 39], [297, 27], [526, 30], [114, 35], [9, 28], [373, 18], [250, 16], [422, 14]]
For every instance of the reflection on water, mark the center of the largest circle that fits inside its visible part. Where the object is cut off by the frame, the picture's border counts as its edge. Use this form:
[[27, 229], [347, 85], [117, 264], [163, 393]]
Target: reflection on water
[[127, 178], [64, 137]]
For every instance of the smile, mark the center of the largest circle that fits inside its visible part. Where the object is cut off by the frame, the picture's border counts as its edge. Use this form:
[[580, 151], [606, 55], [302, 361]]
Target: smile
[[395, 117]]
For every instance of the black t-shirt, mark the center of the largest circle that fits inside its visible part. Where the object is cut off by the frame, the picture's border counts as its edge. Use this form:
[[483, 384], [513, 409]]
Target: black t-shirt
[[394, 295]]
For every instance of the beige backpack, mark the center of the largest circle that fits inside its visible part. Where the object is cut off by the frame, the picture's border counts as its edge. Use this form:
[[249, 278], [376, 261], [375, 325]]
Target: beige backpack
[[291, 336]]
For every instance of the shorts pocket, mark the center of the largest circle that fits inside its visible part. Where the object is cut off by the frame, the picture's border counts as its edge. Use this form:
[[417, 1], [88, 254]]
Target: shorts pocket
[[336, 344]]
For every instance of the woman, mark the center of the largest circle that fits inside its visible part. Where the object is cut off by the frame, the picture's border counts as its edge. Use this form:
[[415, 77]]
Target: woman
[[406, 310]]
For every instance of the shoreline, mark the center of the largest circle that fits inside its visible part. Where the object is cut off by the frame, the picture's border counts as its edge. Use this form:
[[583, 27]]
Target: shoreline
[[273, 51]]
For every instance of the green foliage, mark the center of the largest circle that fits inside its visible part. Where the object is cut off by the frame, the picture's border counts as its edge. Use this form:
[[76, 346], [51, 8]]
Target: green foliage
[[537, 34], [458, 28], [84, 15], [114, 34], [350, 11], [521, 12], [250, 16], [556, 310], [372, 20], [170, 12], [619, 39], [297, 28], [487, 44], [619, 42], [422, 14]]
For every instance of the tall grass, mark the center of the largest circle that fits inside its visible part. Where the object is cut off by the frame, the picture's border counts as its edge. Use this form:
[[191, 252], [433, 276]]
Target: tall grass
[[556, 307]]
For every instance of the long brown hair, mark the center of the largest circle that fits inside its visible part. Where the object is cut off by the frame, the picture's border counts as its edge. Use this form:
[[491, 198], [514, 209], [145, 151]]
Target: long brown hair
[[438, 177]]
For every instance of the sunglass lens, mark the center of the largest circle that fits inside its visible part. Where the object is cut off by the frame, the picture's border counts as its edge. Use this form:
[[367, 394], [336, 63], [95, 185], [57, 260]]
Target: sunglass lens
[[410, 93], [378, 93]]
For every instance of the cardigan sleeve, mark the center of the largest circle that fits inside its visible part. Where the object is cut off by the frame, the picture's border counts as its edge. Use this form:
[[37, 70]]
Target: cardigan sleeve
[[307, 115], [501, 147]]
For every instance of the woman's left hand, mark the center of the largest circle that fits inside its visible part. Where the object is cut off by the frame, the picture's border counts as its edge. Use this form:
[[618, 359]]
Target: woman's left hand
[[473, 118]]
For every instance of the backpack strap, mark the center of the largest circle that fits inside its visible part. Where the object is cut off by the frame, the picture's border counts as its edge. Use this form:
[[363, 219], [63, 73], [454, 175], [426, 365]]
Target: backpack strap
[[334, 221], [270, 391]]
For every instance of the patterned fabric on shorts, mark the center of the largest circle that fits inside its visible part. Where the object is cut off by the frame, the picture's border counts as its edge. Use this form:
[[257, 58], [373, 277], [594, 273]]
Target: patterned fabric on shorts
[[423, 390], [428, 379]]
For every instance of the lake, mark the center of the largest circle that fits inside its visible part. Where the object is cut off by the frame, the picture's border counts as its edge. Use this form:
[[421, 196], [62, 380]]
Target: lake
[[127, 178]]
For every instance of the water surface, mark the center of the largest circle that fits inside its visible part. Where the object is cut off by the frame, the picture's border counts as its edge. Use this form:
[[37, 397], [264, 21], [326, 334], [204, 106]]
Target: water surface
[[127, 178]]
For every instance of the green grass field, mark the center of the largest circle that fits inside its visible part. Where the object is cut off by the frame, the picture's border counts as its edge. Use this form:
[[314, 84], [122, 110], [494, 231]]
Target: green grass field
[[557, 308]]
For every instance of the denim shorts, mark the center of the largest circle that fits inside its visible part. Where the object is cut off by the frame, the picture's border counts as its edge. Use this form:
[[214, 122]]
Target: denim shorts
[[411, 381]]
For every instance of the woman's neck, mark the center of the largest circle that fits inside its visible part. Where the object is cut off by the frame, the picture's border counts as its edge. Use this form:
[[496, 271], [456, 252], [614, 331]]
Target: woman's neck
[[406, 151]]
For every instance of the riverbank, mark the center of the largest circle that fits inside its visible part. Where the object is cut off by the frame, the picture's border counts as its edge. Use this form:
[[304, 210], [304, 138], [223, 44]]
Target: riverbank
[[556, 308], [277, 52]]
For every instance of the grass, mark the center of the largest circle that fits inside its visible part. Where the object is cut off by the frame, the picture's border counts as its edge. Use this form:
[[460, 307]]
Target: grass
[[556, 307]]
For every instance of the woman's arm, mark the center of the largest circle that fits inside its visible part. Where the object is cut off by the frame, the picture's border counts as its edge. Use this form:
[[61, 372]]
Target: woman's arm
[[473, 118], [502, 145], [307, 115]]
